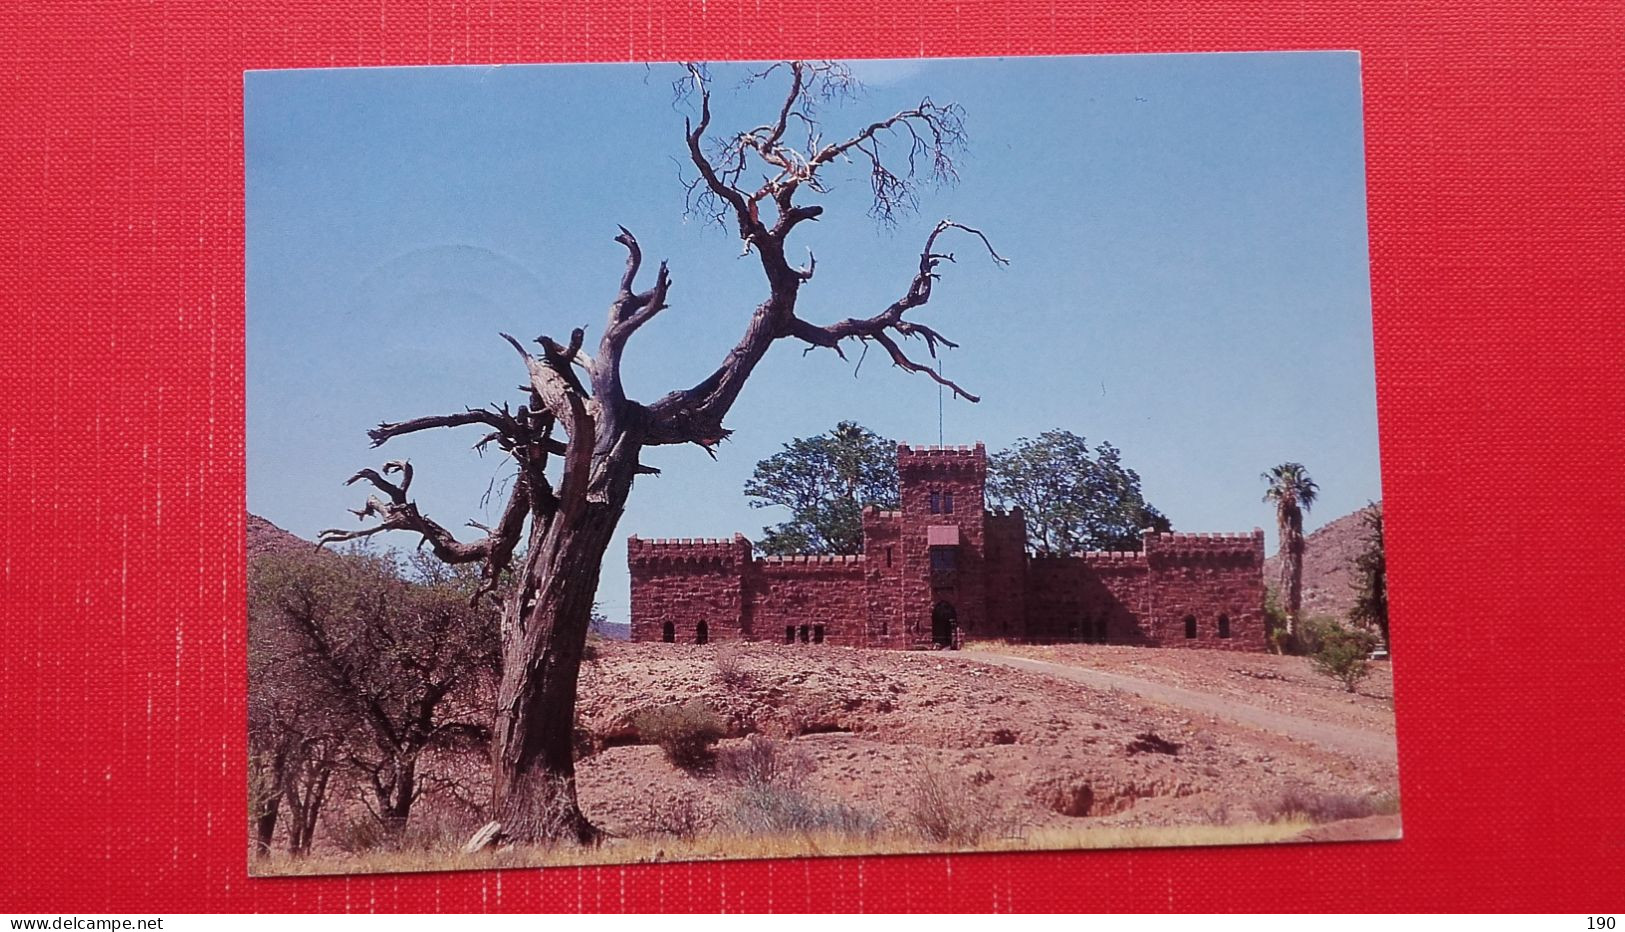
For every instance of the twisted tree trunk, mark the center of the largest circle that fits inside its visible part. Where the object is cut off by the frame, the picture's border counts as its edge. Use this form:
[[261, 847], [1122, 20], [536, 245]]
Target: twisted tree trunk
[[545, 626], [580, 396]]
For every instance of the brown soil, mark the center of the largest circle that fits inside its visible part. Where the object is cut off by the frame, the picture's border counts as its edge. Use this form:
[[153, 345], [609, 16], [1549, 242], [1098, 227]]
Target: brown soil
[[1062, 737]]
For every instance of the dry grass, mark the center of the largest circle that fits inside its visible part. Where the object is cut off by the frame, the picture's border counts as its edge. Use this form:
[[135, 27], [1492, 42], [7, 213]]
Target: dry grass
[[789, 845]]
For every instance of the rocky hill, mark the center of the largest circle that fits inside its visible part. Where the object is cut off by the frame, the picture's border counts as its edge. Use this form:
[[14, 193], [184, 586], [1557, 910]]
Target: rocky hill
[[1328, 565], [265, 537]]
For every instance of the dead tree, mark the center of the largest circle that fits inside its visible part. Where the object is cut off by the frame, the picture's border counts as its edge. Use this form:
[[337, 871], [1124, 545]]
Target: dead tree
[[577, 415]]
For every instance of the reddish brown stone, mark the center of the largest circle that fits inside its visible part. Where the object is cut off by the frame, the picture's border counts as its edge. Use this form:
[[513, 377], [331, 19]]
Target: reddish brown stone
[[1180, 590]]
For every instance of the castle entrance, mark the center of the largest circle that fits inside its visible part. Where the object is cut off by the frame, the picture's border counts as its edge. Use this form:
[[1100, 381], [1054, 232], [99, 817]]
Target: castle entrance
[[944, 624]]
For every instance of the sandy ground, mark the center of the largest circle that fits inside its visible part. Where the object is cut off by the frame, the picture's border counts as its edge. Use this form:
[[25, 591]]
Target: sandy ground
[[1061, 737]]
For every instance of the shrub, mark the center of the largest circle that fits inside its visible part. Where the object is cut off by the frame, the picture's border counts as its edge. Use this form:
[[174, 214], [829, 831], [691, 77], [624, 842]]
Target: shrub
[[683, 816], [948, 810], [1297, 802], [763, 760], [685, 732], [1342, 655], [730, 671], [774, 808]]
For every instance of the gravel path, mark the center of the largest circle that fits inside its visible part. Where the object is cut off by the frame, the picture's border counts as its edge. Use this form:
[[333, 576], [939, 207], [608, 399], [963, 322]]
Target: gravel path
[[1333, 737]]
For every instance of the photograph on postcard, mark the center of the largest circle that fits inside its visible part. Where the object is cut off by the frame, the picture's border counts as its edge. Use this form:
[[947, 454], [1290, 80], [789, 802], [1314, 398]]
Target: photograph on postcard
[[679, 461]]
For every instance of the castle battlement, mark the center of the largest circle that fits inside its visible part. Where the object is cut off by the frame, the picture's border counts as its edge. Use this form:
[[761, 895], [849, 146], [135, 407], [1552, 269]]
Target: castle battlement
[[802, 559], [945, 457], [943, 565], [688, 549]]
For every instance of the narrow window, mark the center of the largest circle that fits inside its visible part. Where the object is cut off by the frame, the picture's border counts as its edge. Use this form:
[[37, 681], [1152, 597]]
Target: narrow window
[[936, 503], [789, 634], [818, 634], [803, 634], [1190, 626], [948, 503], [668, 632], [1224, 626], [888, 558], [702, 633]]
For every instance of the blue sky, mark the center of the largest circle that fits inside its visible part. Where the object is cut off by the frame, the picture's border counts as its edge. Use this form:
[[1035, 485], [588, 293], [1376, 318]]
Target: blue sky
[[1188, 275]]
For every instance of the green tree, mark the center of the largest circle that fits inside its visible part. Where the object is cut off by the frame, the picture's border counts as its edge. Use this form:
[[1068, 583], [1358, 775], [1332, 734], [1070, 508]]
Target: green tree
[[1292, 492], [1073, 497], [825, 482], [1371, 577], [1342, 655], [354, 661]]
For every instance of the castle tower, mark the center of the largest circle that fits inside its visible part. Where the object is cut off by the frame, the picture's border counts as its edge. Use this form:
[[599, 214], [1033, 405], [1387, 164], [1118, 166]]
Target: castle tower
[[941, 545]]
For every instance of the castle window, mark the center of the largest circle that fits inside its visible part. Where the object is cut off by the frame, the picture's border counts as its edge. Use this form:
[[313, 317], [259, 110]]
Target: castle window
[[888, 557], [803, 633], [936, 503], [942, 559], [948, 503], [1224, 626], [1190, 626], [789, 634], [668, 632], [818, 634], [702, 633]]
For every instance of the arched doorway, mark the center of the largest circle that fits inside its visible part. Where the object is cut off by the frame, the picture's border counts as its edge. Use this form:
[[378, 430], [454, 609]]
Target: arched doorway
[[702, 633], [944, 622]]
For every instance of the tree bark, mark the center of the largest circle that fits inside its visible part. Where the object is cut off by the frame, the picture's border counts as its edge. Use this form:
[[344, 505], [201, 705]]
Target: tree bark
[[265, 825], [544, 634]]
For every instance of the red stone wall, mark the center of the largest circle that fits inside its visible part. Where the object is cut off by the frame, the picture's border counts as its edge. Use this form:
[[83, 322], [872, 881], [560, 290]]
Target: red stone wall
[[885, 597], [883, 577], [685, 582], [1005, 562], [962, 472], [792, 592], [1205, 576], [1087, 597]]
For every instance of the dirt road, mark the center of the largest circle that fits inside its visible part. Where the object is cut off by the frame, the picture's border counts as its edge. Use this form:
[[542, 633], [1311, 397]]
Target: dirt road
[[1332, 737]]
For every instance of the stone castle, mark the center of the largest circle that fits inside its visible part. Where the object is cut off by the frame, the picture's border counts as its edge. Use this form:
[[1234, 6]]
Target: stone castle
[[943, 568]]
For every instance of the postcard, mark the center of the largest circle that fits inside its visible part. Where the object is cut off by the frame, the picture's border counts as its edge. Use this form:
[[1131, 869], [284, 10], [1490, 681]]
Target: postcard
[[684, 461]]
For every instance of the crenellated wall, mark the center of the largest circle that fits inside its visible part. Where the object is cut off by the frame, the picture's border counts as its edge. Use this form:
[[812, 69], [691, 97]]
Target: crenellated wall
[[683, 582], [1206, 578], [1207, 586]]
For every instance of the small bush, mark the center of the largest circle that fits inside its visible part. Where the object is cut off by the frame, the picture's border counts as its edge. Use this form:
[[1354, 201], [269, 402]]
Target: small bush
[[730, 671], [948, 810], [356, 835], [685, 732], [1342, 655], [763, 760], [1299, 802], [773, 808], [683, 817]]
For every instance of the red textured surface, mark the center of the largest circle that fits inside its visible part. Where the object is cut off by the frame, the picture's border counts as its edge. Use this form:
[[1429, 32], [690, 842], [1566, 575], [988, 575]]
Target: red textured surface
[[1496, 146]]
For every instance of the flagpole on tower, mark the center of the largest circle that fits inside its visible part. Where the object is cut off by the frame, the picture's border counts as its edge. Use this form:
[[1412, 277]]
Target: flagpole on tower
[[939, 401]]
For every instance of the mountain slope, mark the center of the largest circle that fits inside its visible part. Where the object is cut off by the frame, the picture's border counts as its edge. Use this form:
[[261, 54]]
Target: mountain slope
[[1328, 565], [265, 537]]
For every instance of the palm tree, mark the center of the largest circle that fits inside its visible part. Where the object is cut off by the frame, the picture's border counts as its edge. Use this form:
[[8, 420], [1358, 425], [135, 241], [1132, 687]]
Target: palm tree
[[1293, 492]]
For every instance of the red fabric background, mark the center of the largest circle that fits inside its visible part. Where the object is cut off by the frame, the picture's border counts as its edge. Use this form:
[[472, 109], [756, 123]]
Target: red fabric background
[[1496, 147]]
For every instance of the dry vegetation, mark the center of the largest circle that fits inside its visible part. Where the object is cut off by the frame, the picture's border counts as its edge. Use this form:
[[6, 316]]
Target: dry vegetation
[[761, 750]]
